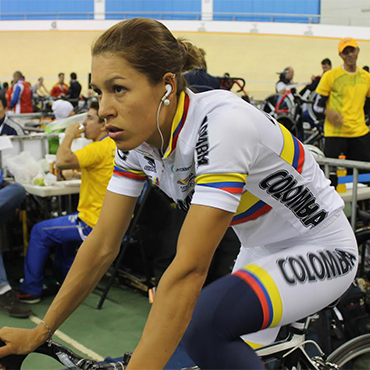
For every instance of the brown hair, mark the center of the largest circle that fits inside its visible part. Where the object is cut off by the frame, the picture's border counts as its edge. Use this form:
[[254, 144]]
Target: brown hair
[[150, 48]]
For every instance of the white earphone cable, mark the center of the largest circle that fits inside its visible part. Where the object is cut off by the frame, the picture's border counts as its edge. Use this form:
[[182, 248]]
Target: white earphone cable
[[158, 128]]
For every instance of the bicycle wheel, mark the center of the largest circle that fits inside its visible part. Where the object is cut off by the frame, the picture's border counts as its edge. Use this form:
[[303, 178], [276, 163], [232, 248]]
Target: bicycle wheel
[[353, 354]]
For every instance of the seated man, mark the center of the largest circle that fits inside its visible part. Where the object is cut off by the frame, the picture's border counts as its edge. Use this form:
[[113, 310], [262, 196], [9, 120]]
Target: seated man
[[7, 125], [11, 197], [61, 109], [61, 234]]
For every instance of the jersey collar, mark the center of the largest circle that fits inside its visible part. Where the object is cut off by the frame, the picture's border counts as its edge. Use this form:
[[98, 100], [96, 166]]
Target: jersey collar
[[178, 122]]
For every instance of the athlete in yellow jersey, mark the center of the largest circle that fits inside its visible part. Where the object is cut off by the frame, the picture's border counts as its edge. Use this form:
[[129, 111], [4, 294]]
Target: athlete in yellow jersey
[[342, 93]]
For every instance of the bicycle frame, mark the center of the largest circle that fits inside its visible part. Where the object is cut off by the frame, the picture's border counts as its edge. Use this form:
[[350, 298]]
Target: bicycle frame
[[291, 351]]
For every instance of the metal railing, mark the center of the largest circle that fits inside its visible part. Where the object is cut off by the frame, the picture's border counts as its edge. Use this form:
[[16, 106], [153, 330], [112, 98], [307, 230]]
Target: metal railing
[[166, 15], [356, 166], [348, 20]]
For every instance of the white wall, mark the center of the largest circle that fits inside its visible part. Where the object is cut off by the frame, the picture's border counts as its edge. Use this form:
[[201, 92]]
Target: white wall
[[344, 12]]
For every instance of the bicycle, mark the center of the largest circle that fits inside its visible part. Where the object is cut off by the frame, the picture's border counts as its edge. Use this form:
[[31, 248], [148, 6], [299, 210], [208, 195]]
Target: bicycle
[[289, 353], [292, 353]]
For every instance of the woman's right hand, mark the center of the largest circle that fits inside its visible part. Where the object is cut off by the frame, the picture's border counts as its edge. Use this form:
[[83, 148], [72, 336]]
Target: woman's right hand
[[21, 341]]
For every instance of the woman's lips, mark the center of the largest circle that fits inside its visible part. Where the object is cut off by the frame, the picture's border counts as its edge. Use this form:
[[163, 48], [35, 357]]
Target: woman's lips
[[113, 131]]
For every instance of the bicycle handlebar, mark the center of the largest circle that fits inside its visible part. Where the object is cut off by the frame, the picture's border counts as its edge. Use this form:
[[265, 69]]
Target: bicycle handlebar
[[61, 354]]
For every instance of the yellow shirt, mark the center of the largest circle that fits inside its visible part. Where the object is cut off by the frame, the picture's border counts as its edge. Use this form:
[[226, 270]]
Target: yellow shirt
[[96, 162], [347, 94]]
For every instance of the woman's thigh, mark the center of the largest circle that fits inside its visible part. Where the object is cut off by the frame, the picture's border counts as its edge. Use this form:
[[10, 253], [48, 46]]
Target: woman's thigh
[[301, 277]]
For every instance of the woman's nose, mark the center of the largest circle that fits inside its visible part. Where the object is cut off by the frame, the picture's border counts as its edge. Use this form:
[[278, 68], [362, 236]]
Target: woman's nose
[[105, 107]]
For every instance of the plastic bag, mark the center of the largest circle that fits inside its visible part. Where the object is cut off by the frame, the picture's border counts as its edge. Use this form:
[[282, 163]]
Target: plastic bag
[[23, 167]]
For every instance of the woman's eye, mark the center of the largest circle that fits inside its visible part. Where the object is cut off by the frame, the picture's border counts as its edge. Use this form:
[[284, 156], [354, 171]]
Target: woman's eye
[[118, 89], [97, 92]]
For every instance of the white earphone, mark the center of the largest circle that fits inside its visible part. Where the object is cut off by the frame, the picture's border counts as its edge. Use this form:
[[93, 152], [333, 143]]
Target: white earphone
[[168, 92]]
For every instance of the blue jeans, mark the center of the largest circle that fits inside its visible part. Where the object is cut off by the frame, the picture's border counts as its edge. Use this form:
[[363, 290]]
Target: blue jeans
[[63, 235], [11, 197]]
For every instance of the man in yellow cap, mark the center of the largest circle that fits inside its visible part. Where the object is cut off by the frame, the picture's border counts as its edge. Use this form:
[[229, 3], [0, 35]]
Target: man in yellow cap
[[342, 93]]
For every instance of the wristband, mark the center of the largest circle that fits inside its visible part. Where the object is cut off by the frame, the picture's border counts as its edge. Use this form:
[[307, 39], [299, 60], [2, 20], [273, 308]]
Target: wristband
[[49, 330]]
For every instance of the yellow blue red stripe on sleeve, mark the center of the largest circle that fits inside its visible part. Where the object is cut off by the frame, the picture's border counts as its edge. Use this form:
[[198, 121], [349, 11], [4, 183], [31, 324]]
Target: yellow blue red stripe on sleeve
[[128, 173], [293, 151], [231, 182], [267, 292], [250, 208]]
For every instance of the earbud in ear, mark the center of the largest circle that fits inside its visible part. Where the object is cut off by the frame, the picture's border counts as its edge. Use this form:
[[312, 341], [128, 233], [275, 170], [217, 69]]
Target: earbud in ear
[[168, 92]]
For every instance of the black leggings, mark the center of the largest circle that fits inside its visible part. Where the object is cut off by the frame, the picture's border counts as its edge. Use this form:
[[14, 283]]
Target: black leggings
[[226, 309], [356, 148]]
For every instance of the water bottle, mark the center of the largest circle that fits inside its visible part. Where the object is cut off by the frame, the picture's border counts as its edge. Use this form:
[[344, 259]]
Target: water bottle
[[341, 171]]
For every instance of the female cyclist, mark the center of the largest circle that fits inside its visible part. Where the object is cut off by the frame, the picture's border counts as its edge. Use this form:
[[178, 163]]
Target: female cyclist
[[227, 163]]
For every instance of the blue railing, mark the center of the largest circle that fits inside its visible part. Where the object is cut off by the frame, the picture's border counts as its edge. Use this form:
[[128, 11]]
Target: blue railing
[[217, 16]]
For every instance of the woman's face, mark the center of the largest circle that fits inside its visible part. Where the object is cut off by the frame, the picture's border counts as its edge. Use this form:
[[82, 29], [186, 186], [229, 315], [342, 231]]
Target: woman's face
[[127, 101]]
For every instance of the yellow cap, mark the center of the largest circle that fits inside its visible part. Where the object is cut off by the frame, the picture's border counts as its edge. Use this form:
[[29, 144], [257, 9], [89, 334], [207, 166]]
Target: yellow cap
[[347, 41]]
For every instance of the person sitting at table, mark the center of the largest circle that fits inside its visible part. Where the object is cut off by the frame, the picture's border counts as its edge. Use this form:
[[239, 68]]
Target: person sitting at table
[[11, 197], [7, 125], [61, 109], [63, 233]]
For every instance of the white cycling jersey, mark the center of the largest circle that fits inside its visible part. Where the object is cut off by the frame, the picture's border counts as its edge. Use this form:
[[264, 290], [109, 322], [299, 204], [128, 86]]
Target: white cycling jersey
[[225, 153]]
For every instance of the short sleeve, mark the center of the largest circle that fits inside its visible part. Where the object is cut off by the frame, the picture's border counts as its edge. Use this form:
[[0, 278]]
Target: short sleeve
[[325, 84], [128, 178], [90, 155], [226, 148]]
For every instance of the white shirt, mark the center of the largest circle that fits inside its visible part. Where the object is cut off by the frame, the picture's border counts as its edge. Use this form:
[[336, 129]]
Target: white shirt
[[225, 153]]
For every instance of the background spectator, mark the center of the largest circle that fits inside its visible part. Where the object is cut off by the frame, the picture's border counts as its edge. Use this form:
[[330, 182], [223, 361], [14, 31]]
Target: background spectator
[[199, 79], [61, 109], [7, 125], [21, 98], [11, 197], [39, 88], [285, 79], [74, 90], [60, 88], [342, 93], [65, 234]]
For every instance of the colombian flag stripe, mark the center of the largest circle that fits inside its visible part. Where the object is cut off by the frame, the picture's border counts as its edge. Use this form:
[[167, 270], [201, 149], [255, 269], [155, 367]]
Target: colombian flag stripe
[[266, 290], [135, 175], [178, 122], [252, 213], [233, 183], [298, 155], [231, 187], [293, 151], [262, 295]]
